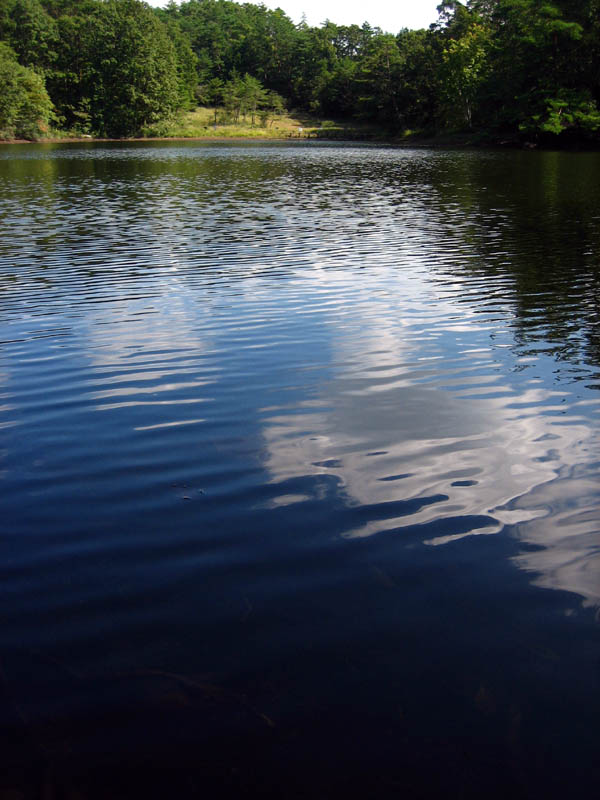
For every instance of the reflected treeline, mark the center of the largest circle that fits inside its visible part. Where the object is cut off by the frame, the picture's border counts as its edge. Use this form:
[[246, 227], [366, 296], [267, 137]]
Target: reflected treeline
[[80, 207], [135, 161], [534, 220], [529, 220]]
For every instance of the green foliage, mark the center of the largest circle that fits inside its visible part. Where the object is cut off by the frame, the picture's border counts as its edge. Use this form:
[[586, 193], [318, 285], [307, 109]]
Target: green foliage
[[71, 80], [567, 112], [32, 34], [465, 63], [421, 89], [535, 53], [528, 68], [135, 68], [25, 107], [244, 97], [187, 63], [519, 66], [380, 79]]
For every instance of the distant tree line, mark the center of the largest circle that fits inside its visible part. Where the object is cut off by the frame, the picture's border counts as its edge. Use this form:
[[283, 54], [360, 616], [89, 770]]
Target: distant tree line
[[514, 68]]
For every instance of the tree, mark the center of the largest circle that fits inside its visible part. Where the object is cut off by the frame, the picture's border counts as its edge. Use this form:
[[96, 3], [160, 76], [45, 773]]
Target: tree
[[72, 79], [274, 106], [216, 33], [512, 67], [253, 95], [419, 94], [536, 63], [25, 108], [380, 72], [314, 57], [211, 93], [340, 89], [187, 64], [134, 66], [464, 69], [33, 34]]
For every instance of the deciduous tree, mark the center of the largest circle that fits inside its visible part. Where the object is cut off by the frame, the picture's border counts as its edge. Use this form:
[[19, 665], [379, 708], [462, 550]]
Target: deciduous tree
[[25, 107]]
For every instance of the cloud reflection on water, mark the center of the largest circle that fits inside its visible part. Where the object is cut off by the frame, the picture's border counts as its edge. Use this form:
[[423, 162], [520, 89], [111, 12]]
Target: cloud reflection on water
[[418, 403], [515, 457]]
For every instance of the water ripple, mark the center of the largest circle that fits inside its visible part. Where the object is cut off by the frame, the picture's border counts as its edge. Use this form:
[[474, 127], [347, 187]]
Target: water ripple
[[357, 336]]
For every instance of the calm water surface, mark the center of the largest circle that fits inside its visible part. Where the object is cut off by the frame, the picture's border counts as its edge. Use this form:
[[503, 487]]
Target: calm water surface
[[299, 471]]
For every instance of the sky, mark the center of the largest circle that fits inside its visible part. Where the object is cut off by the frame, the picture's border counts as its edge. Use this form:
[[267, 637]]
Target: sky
[[390, 15]]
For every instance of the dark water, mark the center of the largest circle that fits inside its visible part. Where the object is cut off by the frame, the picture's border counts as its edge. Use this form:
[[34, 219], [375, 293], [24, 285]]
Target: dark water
[[299, 471]]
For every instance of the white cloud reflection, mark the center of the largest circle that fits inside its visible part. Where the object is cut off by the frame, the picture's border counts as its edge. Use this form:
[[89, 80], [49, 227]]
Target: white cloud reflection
[[380, 426], [405, 367]]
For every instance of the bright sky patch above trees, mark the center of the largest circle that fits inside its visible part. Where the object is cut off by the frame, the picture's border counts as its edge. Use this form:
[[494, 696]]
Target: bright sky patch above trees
[[391, 17]]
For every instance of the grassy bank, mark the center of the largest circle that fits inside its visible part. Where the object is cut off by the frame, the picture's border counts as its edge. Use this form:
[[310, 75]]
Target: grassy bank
[[210, 123]]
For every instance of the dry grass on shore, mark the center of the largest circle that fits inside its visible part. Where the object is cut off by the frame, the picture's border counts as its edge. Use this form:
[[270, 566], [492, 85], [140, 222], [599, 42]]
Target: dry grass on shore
[[200, 123]]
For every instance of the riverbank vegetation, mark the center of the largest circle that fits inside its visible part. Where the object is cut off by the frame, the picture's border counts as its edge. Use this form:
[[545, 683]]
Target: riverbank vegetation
[[497, 70], [218, 122]]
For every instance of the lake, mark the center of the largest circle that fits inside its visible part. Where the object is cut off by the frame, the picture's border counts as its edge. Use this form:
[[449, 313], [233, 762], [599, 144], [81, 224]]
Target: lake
[[299, 471]]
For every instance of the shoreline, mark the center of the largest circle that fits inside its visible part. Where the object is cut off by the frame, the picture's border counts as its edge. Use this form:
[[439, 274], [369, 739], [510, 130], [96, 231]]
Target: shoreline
[[445, 141], [94, 139], [390, 141]]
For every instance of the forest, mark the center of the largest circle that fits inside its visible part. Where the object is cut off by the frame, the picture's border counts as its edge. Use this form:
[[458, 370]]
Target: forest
[[515, 71]]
